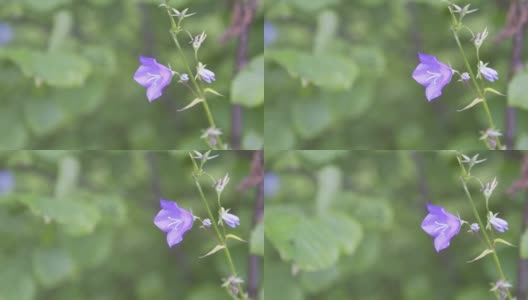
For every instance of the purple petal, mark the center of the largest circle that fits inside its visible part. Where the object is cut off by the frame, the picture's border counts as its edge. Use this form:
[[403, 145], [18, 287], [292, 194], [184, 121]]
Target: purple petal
[[154, 92], [427, 59], [441, 242], [174, 237], [433, 91], [163, 221], [148, 61], [169, 205], [435, 209]]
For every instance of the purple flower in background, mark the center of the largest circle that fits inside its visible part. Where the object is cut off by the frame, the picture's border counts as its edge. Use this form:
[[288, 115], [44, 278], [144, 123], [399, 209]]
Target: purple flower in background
[[499, 224], [441, 225], [271, 184], [230, 219], [7, 182], [173, 220], [490, 74], [6, 33], [270, 33], [153, 76], [206, 75], [432, 74]]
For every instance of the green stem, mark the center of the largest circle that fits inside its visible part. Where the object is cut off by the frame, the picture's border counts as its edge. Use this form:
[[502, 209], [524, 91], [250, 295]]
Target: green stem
[[174, 33], [476, 85], [221, 239], [486, 237]]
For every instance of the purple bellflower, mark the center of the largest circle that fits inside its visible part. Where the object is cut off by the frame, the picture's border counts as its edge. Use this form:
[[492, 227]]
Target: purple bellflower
[[489, 74], [499, 224], [441, 225], [6, 34], [230, 219], [153, 76], [432, 74], [173, 220], [205, 74]]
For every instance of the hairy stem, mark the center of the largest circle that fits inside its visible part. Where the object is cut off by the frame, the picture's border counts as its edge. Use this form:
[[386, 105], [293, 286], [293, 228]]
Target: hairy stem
[[485, 235], [174, 33], [221, 239]]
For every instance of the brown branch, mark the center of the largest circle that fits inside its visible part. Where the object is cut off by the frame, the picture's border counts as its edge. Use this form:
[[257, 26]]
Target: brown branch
[[522, 265], [255, 261], [243, 14], [515, 28]]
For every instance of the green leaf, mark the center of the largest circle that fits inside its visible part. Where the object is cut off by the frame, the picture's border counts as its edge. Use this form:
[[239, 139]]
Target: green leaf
[[329, 181], [69, 169], [483, 254], [211, 91], [234, 237], [311, 117], [58, 68], [89, 251], [16, 281], [248, 86], [524, 245], [517, 96], [215, 249], [43, 115], [13, 133], [62, 24], [193, 103], [473, 103], [78, 101], [327, 24], [76, 217], [317, 281], [325, 70], [493, 91], [256, 241], [495, 241], [311, 243], [52, 266]]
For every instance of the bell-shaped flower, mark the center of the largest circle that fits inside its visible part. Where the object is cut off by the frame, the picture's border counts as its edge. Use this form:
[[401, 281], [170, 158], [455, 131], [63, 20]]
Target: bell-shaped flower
[[441, 225], [153, 76], [230, 219], [432, 74], [499, 224], [173, 220], [488, 73]]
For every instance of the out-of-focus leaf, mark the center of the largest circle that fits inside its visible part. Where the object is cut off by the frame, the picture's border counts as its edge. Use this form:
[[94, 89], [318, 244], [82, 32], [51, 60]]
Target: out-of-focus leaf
[[69, 168], [329, 182], [16, 282], [52, 266], [524, 245], [248, 86], [326, 70], [517, 96], [327, 24], [13, 132], [58, 68], [311, 117], [311, 243], [43, 115], [256, 242], [313, 5], [62, 24], [77, 217]]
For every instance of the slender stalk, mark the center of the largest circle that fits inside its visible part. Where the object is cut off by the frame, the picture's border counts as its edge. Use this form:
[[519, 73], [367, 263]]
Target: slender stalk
[[485, 235], [476, 85], [221, 239], [175, 28]]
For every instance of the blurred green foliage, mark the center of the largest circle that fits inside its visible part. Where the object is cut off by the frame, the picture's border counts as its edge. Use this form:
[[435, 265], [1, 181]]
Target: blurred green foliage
[[79, 225], [338, 75], [66, 77], [346, 225]]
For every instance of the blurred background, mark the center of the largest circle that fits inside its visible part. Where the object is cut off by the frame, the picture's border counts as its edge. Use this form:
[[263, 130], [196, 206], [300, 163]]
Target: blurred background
[[346, 225], [79, 225], [66, 75], [338, 74]]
